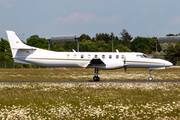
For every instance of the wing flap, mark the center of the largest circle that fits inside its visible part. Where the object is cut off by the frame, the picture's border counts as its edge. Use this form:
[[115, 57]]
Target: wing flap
[[95, 63]]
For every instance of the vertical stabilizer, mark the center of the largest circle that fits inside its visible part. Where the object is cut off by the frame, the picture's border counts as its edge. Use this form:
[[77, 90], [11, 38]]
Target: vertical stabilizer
[[15, 42]]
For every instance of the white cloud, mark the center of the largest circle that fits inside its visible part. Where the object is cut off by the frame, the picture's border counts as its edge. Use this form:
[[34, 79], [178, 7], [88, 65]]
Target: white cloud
[[175, 21], [1, 1], [81, 18], [5, 3], [77, 18], [109, 20]]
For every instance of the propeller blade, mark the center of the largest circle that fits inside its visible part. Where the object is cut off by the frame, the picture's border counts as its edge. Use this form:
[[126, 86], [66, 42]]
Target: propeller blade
[[125, 68]]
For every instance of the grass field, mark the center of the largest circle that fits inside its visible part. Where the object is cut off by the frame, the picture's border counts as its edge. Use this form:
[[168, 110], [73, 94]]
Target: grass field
[[82, 74], [88, 100]]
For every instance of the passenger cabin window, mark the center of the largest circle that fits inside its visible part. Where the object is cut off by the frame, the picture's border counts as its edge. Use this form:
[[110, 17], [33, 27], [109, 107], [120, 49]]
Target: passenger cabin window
[[103, 56], [89, 56], [110, 56], [75, 55], [122, 56], [68, 55], [82, 56], [95, 56], [27, 51], [117, 56]]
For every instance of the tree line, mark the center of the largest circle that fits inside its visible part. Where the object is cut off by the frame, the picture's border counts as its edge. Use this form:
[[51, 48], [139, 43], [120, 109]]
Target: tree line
[[103, 42]]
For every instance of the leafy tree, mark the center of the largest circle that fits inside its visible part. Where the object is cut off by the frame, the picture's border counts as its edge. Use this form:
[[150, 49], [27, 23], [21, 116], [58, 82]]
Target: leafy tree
[[173, 52], [4, 45], [5, 51], [142, 44], [57, 46], [160, 55], [103, 46], [68, 46], [87, 46], [103, 36], [165, 46], [37, 42], [172, 35], [122, 48], [84, 37], [126, 38]]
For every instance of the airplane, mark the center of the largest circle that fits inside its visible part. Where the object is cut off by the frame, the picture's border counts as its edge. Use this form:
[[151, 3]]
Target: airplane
[[23, 53]]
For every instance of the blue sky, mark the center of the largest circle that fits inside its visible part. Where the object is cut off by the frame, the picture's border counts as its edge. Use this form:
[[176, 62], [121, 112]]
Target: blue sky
[[47, 18]]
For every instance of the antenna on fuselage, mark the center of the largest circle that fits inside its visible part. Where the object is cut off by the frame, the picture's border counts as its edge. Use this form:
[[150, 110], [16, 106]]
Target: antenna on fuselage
[[117, 50], [73, 50]]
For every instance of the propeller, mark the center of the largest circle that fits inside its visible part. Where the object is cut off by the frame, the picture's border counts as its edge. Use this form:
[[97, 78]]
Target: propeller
[[125, 68]]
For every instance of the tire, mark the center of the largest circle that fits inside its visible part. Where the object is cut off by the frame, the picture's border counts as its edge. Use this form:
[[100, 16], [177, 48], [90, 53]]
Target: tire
[[96, 78], [150, 78]]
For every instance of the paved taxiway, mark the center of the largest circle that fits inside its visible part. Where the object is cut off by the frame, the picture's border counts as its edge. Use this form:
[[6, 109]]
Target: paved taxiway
[[111, 81]]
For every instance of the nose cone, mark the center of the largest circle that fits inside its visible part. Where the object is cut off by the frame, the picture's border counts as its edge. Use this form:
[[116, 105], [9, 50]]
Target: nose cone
[[168, 64]]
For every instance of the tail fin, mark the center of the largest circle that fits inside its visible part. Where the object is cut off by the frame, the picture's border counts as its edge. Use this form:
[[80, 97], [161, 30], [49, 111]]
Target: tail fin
[[15, 42]]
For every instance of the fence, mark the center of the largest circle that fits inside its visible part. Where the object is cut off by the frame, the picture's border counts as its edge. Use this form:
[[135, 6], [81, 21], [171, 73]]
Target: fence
[[16, 65]]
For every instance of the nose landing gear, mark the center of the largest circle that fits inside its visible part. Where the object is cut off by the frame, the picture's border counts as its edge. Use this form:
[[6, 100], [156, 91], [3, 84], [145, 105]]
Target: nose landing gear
[[150, 78], [96, 78]]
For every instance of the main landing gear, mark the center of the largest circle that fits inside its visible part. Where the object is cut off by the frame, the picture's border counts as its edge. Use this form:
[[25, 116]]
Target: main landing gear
[[96, 78], [150, 78]]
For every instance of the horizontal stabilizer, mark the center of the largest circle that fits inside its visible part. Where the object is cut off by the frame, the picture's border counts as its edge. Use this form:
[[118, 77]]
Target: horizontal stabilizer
[[24, 48]]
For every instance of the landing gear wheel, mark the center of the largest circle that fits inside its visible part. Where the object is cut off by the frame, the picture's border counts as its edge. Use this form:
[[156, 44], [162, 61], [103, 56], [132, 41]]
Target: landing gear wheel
[[150, 78], [96, 78]]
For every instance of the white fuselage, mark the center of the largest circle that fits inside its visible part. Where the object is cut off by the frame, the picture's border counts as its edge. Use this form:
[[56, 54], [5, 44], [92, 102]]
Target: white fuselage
[[103, 60], [48, 58], [23, 53]]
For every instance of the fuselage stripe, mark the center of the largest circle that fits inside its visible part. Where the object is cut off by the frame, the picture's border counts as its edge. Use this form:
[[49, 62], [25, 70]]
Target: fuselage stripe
[[91, 59]]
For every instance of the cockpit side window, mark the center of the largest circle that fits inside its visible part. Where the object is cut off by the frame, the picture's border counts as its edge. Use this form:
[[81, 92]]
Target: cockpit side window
[[142, 56], [145, 56], [139, 56]]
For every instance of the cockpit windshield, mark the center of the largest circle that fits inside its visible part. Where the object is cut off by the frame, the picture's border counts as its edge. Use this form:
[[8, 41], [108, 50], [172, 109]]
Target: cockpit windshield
[[142, 56]]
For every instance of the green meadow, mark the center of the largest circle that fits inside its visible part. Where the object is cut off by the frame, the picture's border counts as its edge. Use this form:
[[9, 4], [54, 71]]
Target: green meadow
[[93, 100], [83, 74], [88, 100]]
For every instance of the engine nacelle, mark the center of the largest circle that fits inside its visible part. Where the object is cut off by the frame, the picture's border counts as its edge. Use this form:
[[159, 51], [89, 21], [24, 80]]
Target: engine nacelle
[[112, 64]]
